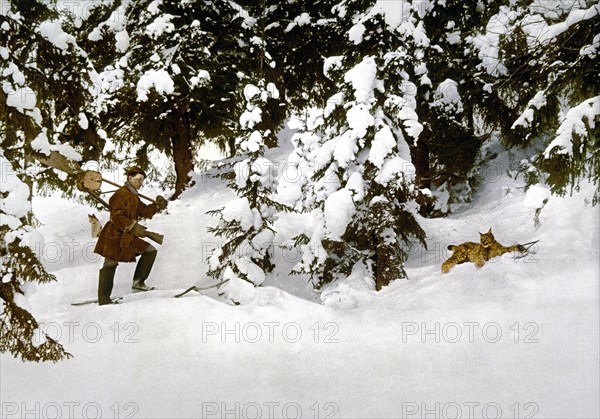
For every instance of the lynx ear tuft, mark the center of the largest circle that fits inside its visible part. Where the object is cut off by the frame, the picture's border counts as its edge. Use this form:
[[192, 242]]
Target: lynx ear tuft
[[490, 230]]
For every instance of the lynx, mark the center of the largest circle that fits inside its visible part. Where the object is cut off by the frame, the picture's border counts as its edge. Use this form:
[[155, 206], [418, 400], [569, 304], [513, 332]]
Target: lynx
[[478, 253], [95, 224]]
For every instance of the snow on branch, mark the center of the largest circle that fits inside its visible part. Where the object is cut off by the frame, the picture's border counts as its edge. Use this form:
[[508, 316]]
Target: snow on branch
[[526, 117], [574, 123]]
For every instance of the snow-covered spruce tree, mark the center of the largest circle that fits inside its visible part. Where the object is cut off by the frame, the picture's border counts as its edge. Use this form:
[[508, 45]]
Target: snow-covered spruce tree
[[47, 93], [19, 267], [447, 154], [246, 222], [363, 192], [172, 78], [539, 61], [299, 35], [44, 105]]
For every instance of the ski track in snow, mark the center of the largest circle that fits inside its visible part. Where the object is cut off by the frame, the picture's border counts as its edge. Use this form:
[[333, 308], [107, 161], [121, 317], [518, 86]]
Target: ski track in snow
[[514, 331]]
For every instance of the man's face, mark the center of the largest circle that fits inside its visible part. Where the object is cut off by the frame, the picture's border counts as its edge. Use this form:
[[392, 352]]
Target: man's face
[[136, 181]]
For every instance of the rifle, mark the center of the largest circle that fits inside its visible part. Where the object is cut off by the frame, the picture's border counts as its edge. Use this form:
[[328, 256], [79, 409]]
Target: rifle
[[155, 237]]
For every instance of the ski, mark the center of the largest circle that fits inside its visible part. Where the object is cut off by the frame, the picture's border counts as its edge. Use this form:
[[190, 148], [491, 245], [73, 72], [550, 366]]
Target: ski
[[114, 300], [124, 298], [135, 291]]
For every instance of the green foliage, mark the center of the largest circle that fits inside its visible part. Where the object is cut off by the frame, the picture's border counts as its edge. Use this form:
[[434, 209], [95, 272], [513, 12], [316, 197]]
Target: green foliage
[[544, 78], [45, 90], [246, 223], [19, 333]]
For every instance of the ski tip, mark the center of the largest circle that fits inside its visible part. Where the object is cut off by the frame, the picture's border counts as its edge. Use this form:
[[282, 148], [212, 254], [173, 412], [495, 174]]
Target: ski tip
[[115, 300]]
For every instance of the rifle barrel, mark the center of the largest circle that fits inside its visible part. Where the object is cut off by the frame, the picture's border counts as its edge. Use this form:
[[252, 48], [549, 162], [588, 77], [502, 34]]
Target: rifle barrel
[[140, 195]]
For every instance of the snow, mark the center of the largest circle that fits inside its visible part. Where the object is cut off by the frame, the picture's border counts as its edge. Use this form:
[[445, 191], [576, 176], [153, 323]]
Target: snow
[[250, 118], [536, 196], [122, 41], [253, 142], [95, 35], [332, 63], [575, 16], [338, 212], [487, 42], [19, 95], [393, 168], [251, 91], [397, 12], [42, 144], [447, 97], [53, 32], [363, 79], [359, 119], [257, 170], [526, 117], [252, 271], [345, 148], [346, 295], [356, 33], [592, 49], [160, 80], [154, 6], [20, 98], [301, 20], [453, 37], [356, 185], [383, 143], [14, 203], [239, 210], [534, 25], [238, 289], [16, 74], [411, 121], [517, 335], [288, 345], [83, 121], [270, 92], [201, 79], [574, 124], [160, 25]]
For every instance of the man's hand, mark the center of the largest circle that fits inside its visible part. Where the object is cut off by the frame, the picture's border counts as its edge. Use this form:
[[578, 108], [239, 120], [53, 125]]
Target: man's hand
[[138, 230], [161, 202]]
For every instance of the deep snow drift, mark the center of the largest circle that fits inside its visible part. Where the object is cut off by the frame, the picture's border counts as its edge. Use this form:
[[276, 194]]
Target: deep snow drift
[[516, 338]]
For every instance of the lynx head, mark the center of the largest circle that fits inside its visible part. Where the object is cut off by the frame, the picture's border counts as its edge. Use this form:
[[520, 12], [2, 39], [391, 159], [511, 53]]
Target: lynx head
[[487, 239]]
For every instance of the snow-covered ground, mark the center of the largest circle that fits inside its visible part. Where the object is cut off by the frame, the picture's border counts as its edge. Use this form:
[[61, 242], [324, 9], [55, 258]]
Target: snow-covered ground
[[516, 338]]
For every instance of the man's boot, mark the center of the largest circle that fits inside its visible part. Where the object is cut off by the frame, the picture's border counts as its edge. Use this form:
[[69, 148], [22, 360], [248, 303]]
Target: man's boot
[[105, 284], [142, 271]]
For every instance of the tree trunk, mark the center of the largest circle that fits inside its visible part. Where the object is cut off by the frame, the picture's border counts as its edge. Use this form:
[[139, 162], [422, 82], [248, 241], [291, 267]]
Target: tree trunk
[[388, 264], [421, 162], [182, 151]]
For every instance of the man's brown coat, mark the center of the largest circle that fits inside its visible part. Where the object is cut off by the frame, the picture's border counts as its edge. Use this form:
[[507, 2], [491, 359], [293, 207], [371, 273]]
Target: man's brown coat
[[116, 242]]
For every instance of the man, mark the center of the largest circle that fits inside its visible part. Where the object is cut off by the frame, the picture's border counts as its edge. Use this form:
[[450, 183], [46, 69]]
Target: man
[[120, 239]]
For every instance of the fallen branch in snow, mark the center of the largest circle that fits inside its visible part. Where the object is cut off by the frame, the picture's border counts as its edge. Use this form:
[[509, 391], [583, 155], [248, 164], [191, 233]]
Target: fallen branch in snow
[[198, 289]]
